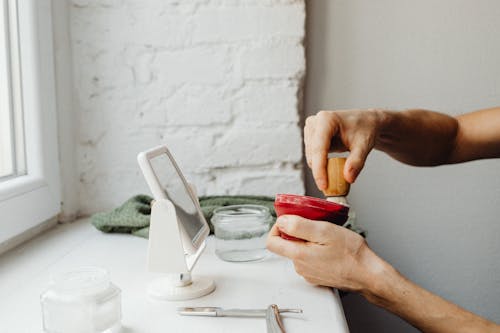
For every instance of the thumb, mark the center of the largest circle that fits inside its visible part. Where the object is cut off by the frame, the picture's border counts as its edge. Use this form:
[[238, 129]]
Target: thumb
[[356, 159], [308, 230]]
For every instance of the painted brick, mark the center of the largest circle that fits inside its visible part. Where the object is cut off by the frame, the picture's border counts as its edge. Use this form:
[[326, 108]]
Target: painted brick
[[198, 105], [267, 104], [256, 146], [248, 23], [217, 81], [199, 65], [282, 183], [273, 59], [258, 181]]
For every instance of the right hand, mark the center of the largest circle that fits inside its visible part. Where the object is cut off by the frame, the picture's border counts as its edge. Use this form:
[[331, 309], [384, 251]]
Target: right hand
[[326, 254], [339, 131]]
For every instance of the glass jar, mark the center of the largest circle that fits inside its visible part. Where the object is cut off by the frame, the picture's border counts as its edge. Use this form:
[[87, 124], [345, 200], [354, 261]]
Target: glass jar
[[81, 301], [241, 231]]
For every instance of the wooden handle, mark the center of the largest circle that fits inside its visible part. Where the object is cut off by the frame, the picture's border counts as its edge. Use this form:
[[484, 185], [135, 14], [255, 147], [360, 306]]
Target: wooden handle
[[337, 185]]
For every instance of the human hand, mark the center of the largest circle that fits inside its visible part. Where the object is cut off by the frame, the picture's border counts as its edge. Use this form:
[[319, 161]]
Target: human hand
[[334, 256], [329, 255], [339, 131]]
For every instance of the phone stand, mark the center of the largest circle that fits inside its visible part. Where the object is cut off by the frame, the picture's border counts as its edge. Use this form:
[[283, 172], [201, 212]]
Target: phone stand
[[166, 255]]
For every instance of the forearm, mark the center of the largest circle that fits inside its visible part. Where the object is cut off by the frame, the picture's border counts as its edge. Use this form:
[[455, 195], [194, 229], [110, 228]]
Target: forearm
[[428, 312], [426, 138], [418, 137], [478, 136]]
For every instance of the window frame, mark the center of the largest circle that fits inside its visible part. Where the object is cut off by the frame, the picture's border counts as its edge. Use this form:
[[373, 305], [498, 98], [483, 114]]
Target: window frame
[[6, 124], [29, 200]]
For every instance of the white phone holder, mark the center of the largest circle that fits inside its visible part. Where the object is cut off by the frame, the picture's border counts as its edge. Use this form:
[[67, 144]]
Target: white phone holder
[[166, 255]]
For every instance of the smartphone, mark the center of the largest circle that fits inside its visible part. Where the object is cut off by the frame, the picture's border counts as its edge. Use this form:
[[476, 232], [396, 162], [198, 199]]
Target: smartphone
[[165, 180]]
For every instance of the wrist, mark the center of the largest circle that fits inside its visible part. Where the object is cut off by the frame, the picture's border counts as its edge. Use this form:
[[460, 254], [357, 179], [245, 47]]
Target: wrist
[[377, 277], [385, 122], [384, 117]]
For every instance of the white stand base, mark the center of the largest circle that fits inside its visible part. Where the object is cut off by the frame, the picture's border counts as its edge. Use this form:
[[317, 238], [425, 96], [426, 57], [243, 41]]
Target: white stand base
[[165, 289]]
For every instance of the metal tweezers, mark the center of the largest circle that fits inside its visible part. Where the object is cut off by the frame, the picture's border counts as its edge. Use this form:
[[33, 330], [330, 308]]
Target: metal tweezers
[[272, 314]]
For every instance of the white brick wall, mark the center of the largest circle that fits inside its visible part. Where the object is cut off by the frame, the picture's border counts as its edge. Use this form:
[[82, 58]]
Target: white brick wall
[[218, 81]]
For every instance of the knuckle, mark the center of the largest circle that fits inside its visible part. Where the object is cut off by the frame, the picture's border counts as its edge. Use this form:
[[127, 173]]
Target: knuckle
[[323, 114], [318, 148], [269, 244], [309, 121], [358, 243], [365, 139], [357, 161], [306, 131], [292, 225], [318, 176], [324, 227], [326, 231], [309, 280], [298, 268], [299, 255], [271, 247]]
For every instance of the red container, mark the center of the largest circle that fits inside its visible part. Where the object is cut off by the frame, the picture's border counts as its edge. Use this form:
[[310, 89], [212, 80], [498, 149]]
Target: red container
[[310, 208]]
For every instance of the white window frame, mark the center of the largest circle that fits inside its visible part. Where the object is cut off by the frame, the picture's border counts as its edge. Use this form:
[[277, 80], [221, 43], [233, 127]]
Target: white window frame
[[31, 199]]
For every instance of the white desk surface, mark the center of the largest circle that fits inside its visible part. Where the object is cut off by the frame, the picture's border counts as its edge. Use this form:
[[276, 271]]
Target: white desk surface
[[26, 270]]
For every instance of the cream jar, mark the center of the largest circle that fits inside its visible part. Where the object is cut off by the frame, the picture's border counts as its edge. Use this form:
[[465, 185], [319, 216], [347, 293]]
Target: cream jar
[[81, 301]]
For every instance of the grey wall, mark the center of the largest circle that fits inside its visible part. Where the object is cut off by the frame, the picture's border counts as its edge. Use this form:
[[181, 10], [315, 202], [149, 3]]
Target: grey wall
[[438, 226]]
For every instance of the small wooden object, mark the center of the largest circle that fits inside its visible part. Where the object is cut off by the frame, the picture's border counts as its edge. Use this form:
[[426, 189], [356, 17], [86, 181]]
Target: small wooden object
[[337, 185]]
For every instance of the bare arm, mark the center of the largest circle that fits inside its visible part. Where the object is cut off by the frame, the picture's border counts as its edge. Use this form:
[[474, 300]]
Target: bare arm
[[423, 309], [337, 257], [425, 138], [416, 137], [478, 136]]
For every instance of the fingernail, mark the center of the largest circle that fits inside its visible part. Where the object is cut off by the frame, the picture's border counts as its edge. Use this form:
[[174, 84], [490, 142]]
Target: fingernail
[[321, 184]]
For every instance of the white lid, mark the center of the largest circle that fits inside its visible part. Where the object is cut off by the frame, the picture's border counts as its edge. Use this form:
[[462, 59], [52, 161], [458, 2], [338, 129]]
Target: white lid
[[81, 281]]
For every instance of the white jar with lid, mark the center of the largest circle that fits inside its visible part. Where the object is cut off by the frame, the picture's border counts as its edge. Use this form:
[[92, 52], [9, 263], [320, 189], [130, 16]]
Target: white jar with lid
[[81, 301]]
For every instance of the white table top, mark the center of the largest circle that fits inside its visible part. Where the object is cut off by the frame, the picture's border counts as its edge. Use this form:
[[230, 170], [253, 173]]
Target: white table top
[[26, 270]]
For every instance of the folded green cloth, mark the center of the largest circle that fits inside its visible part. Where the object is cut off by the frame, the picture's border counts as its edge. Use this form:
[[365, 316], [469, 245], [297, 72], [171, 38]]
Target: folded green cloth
[[133, 215]]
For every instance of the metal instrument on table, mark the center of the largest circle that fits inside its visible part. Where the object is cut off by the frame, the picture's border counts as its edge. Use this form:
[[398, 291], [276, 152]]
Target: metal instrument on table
[[272, 314]]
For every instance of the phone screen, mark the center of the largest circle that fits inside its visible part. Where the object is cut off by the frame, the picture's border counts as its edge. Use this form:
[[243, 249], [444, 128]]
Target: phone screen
[[176, 191]]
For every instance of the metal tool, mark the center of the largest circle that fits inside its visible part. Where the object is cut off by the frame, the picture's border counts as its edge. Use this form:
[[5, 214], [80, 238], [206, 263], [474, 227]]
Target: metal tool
[[272, 314], [273, 320]]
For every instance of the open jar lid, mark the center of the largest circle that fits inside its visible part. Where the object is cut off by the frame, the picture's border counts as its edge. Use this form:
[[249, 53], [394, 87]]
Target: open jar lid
[[311, 208], [82, 281]]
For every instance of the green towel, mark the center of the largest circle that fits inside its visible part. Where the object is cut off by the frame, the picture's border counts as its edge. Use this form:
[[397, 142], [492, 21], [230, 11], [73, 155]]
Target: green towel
[[133, 215]]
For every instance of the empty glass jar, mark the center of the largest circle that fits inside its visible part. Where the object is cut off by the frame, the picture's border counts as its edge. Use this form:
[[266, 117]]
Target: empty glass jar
[[241, 231]]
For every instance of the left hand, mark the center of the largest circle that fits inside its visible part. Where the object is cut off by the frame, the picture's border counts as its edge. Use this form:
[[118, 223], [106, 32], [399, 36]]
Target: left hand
[[329, 255]]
